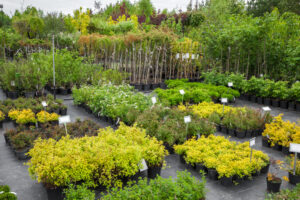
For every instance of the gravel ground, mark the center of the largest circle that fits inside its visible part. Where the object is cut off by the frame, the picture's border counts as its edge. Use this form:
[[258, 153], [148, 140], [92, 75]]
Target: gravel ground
[[14, 173]]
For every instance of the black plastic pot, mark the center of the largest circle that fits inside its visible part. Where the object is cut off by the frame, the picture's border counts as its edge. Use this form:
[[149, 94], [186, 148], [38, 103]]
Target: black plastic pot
[[294, 179], [169, 148], [231, 132], [267, 102], [265, 169], [260, 100], [55, 194], [153, 172], [63, 91], [247, 97], [298, 106], [277, 147], [224, 129], [146, 87], [253, 99], [29, 94], [218, 128], [54, 123], [285, 150], [12, 95], [138, 87], [249, 133], [275, 102], [225, 181], [212, 174], [7, 140], [200, 166], [21, 154], [154, 86], [240, 134], [181, 158], [292, 106], [163, 85], [273, 186], [63, 111], [284, 104], [265, 141], [1, 124], [237, 179]]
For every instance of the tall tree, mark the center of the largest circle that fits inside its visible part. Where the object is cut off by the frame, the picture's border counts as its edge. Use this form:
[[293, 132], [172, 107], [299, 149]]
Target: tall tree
[[145, 7]]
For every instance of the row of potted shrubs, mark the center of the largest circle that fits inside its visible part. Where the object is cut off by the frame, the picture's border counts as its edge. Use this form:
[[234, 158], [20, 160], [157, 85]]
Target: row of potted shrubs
[[260, 90]]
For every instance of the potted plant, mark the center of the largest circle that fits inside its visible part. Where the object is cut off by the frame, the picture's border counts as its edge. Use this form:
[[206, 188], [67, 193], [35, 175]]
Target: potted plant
[[273, 181], [293, 178], [6, 194], [2, 118], [295, 96]]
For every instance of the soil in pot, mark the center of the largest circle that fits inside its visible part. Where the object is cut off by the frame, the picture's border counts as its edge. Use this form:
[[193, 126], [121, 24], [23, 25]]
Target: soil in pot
[[240, 134], [225, 181], [153, 172], [294, 179], [273, 185], [284, 104], [212, 174]]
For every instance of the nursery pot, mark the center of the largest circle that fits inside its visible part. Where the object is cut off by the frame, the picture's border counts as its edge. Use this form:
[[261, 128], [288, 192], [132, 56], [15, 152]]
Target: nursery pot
[[265, 169], [29, 94], [169, 148], [7, 140], [274, 185], [55, 194], [225, 181], [238, 179], [247, 97], [181, 158], [275, 102], [267, 102], [138, 87], [200, 166], [285, 150], [284, 104], [253, 99], [294, 179], [154, 86], [298, 106], [153, 172], [21, 154], [163, 85], [63, 111], [260, 100], [277, 147], [240, 134], [1, 124], [146, 87], [63, 91], [54, 123], [292, 105], [265, 141], [224, 129], [249, 133], [231, 132], [212, 174], [12, 95]]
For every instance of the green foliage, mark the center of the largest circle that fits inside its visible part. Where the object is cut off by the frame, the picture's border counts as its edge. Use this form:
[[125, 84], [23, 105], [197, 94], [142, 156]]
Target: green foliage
[[5, 193], [185, 187], [145, 8], [79, 192], [289, 194]]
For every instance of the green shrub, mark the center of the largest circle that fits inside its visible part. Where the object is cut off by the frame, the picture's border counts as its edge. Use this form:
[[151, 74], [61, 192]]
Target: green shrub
[[79, 192]]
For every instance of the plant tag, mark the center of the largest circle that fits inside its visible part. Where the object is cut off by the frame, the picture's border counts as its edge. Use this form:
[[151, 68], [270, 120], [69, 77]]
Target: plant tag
[[266, 109], [183, 56], [118, 121], [224, 100], [144, 166], [13, 193], [230, 84], [268, 136], [187, 55], [193, 56], [177, 56], [12, 83], [252, 142], [153, 100], [64, 119], [1, 192], [181, 92], [198, 136], [261, 75], [294, 147], [44, 103], [187, 119]]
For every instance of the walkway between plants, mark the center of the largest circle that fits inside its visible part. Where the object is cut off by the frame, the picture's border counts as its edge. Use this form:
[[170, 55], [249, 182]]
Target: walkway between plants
[[14, 173]]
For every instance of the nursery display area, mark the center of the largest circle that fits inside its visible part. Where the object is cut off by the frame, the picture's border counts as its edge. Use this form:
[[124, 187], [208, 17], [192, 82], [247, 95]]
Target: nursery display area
[[128, 101]]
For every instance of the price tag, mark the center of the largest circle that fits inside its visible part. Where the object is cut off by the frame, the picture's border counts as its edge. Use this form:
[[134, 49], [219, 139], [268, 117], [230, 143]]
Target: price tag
[[144, 166], [187, 119], [44, 103], [12, 83], [224, 100], [64, 119], [181, 92], [294, 148], [266, 109], [230, 84], [252, 142], [153, 100]]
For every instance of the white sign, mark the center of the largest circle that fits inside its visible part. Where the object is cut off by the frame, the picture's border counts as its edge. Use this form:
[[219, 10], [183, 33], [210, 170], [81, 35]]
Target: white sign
[[230, 84], [181, 92], [153, 100], [266, 109], [12, 83], [261, 75], [64, 119], [44, 103], [187, 119], [187, 55], [144, 166], [294, 148], [177, 56], [118, 120], [193, 56], [252, 142], [224, 100]]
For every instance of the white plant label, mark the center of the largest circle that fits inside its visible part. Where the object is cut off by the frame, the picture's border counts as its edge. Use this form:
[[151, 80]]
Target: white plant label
[[12, 83], [44, 103], [118, 121], [187, 55], [266, 109], [230, 84], [153, 100], [224, 100], [193, 56], [261, 75], [177, 56], [252, 142], [1, 192], [294, 147], [13, 193], [198, 136], [64, 119], [187, 119], [181, 92], [144, 166]]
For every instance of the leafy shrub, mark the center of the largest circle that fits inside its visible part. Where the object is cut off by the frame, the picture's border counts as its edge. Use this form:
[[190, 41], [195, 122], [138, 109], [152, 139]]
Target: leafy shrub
[[185, 187], [5, 193], [289, 194], [79, 192]]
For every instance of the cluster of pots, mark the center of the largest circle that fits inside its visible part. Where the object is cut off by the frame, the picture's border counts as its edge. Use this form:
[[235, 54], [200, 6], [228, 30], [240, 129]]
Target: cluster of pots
[[239, 133], [59, 90], [285, 104], [17, 94], [225, 181]]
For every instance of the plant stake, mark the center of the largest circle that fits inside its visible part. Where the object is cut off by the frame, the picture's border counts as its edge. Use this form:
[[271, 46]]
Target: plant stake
[[251, 144], [64, 120], [296, 149]]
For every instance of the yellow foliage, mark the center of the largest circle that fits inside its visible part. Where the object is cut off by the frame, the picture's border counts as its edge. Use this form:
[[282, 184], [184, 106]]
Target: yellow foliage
[[2, 116], [81, 20]]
